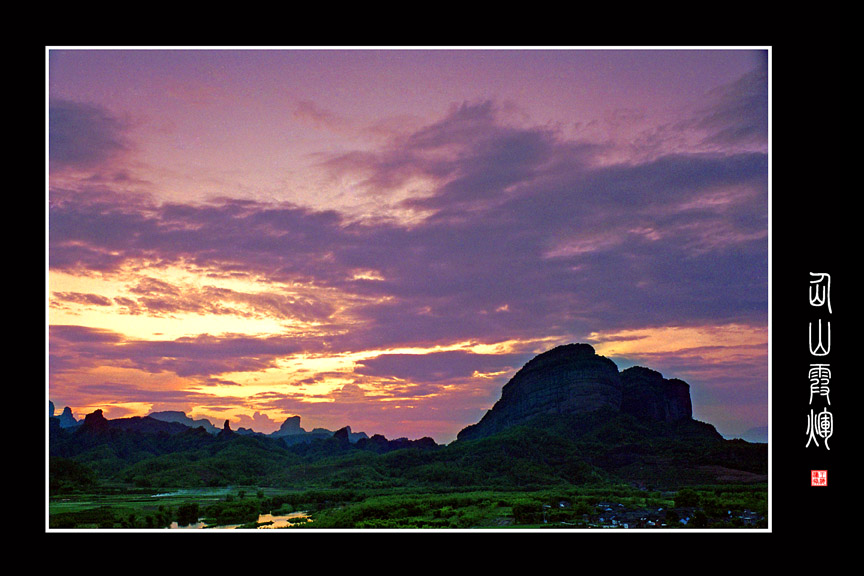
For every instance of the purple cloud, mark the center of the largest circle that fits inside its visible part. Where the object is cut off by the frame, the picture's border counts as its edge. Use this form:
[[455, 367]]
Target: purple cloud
[[438, 366], [559, 246], [739, 111], [82, 298], [82, 135], [76, 348]]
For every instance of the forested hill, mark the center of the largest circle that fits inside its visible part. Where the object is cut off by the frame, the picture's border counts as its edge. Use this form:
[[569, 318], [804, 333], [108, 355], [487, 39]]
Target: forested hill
[[568, 417]]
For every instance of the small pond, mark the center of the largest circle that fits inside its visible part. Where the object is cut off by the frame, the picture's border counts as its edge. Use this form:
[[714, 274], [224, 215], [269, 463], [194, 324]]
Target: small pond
[[265, 522]]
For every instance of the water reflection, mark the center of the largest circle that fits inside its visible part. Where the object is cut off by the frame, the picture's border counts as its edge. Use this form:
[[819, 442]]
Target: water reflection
[[281, 521], [265, 522]]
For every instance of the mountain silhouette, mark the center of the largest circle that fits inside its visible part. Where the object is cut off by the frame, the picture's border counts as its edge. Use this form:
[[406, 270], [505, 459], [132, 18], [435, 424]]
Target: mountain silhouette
[[568, 416], [573, 379]]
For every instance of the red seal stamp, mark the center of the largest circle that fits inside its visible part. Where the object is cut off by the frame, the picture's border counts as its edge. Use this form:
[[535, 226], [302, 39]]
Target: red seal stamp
[[819, 478]]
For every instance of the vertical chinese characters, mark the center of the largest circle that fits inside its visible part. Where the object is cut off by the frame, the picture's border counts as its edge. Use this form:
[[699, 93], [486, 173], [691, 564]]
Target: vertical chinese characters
[[820, 424]]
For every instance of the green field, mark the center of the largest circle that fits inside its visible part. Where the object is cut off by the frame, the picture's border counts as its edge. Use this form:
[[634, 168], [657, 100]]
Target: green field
[[621, 506], [595, 471]]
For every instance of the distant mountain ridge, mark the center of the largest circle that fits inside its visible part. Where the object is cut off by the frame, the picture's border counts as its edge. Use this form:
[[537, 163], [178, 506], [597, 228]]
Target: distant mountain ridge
[[567, 380], [567, 416], [290, 431], [182, 418], [66, 419]]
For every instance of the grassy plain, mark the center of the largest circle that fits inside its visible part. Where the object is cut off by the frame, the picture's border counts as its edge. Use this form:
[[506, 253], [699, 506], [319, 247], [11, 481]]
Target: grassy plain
[[614, 506]]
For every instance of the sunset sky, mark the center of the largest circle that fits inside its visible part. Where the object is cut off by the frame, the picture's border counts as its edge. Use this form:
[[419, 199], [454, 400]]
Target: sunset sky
[[381, 238]]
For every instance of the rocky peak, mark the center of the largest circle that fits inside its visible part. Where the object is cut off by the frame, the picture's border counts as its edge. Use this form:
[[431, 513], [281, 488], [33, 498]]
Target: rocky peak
[[65, 419], [95, 421], [649, 396], [573, 379], [290, 426], [570, 379], [226, 431], [343, 434]]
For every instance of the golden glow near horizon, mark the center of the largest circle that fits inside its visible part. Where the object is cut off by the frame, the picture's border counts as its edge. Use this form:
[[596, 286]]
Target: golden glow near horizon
[[310, 379], [193, 302], [306, 378], [710, 342], [199, 305], [108, 302]]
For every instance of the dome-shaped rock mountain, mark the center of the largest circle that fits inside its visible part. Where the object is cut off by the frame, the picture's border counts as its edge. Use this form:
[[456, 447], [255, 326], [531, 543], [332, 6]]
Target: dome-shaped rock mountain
[[570, 379]]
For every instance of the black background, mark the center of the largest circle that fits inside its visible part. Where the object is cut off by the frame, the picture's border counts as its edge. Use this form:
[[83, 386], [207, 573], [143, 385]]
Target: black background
[[813, 230], [815, 227]]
